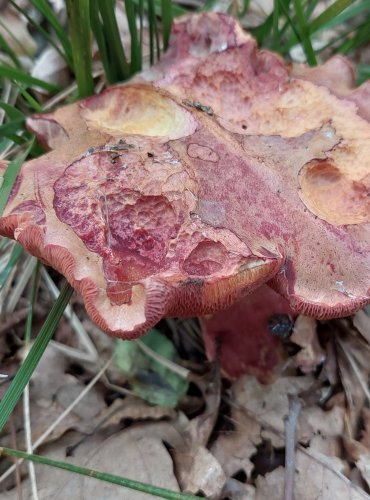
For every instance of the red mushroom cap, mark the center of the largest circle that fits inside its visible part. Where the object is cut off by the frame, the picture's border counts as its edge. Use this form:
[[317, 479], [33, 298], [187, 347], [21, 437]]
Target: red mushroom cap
[[178, 196]]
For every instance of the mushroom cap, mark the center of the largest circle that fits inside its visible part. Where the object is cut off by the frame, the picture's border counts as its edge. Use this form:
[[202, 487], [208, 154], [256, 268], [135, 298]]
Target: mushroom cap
[[210, 174]]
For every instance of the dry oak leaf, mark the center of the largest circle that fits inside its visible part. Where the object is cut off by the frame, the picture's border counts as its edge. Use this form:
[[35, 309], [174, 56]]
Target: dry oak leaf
[[212, 173], [315, 478]]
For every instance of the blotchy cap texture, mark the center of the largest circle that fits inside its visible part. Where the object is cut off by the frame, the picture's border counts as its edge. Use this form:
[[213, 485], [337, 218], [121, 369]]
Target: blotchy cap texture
[[215, 171]]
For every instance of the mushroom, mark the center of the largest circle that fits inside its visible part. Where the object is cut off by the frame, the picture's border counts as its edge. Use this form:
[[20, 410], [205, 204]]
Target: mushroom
[[208, 175], [246, 337]]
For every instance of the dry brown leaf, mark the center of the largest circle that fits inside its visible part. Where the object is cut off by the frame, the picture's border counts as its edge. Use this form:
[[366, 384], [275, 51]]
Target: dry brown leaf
[[361, 321], [235, 490], [359, 454], [365, 434], [353, 354], [51, 67], [268, 404], [49, 377], [132, 408], [89, 407], [315, 421], [135, 453], [15, 24], [234, 449], [203, 473], [305, 335], [315, 478]]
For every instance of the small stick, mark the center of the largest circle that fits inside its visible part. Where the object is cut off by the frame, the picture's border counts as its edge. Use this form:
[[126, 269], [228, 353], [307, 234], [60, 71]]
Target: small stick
[[295, 405]]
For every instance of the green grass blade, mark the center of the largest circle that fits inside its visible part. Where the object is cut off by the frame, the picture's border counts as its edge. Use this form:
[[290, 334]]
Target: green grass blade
[[32, 299], [304, 33], [43, 32], [244, 9], [79, 29], [12, 127], [13, 259], [16, 40], [262, 32], [363, 73], [47, 11], [10, 175], [113, 38], [12, 138], [31, 101], [329, 14], [141, 24], [350, 12], [27, 368], [207, 5], [136, 55], [21, 76], [152, 24], [12, 112], [103, 476], [275, 24], [359, 39], [5, 47], [166, 21], [97, 28]]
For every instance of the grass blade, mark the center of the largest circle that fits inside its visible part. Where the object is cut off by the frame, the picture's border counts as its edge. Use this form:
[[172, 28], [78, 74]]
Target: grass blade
[[79, 28], [44, 33], [166, 21], [19, 75], [363, 73], [98, 31], [360, 38], [44, 7], [12, 112], [329, 14], [350, 12], [11, 127], [113, 39], [13, 259], [26, 370], [152, 25], [5, 47], [103, 476], [10, 175], [136, 54], [304, 33]]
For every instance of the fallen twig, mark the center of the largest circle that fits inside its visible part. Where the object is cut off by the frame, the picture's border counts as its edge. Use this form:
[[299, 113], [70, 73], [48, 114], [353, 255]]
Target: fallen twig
[[295, 405]]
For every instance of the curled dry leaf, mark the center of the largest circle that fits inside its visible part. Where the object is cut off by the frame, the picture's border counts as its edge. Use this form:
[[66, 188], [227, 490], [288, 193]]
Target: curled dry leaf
[[211, 174], [204, 474], [305, 335]]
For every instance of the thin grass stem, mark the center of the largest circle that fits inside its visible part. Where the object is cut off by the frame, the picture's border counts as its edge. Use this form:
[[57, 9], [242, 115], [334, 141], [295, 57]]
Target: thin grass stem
[[26, 370], [103, 476]]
